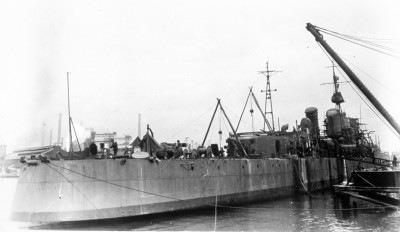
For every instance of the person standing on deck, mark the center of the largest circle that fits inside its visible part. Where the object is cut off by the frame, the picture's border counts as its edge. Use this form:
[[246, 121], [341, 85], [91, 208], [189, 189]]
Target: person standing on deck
[[394, 161], [93, 149], [114, 145]]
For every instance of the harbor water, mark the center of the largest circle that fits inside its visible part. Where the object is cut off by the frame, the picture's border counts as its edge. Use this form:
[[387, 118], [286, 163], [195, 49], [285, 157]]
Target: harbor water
[[322, 211]]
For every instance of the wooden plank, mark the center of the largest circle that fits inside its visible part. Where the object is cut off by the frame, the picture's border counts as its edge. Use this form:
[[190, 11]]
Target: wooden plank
[[367, 189], [370, 200]]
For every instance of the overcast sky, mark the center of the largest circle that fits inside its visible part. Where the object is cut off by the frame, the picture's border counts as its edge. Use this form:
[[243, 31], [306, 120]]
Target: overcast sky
[[170, 60]]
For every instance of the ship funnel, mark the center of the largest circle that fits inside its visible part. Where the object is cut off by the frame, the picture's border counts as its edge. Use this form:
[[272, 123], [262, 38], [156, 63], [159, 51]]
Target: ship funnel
[[312, 114], [305, 123], [333, 123]]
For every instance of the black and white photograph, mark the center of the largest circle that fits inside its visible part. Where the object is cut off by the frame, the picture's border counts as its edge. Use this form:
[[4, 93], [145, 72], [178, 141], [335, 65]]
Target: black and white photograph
[[189, 115]]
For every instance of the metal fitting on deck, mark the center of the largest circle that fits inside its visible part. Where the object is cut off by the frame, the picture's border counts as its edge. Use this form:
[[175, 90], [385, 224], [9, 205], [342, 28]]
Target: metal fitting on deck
[[32, 162], [44, 159]]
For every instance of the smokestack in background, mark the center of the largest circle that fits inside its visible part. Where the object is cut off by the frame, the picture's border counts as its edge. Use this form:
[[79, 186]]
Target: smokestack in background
[[51, 137], [59, 129], [43, 132]]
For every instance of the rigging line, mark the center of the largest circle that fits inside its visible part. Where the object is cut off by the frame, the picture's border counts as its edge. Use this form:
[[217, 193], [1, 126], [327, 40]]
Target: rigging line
[[349, 39], [219, 125], [233, 115], [347, 79], [378, 46], [377, 50], [226, 127], [302, 183], [220, 130], [327, 55], [262, 113], [369, 106], [369, 47], [77, 189], [252, 116], [366, 101], [220, 119], [365, 41], [191, 123], [76, 136], [115, 184], [367, 74], [244, 108], [212, 134], [324, 29], [208, 178], [205, 204], [394, 50], [372, 108]]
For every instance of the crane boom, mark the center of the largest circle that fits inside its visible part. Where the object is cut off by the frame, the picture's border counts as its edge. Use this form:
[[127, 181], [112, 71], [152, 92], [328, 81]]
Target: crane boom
[[371, 98], [265, 118]]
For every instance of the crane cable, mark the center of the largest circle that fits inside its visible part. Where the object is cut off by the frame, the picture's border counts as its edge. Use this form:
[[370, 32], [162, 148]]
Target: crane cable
[[191, 123], [364, 43], [360, 38]]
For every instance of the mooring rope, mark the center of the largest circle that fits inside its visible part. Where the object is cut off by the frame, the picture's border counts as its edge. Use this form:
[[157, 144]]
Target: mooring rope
[[302, 183], [86, 197]]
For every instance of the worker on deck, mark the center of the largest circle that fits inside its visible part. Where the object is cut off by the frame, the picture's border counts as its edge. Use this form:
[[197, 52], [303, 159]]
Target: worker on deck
[[394, 161], [221, 152], [93, 149], [114, 146]]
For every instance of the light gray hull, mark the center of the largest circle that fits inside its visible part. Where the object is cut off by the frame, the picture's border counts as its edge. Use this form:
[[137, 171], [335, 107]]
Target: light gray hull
[[77, 190]]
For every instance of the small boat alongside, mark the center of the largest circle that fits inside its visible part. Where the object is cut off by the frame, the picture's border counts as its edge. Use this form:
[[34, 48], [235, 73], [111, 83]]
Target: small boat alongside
[[377, 185]]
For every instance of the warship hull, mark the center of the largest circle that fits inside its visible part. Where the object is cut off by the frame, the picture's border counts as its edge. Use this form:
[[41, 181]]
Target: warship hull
[[76, 190]]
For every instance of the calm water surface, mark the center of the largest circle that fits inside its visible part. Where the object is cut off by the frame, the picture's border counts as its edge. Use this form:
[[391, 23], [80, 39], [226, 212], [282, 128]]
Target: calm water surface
[[322, 212]]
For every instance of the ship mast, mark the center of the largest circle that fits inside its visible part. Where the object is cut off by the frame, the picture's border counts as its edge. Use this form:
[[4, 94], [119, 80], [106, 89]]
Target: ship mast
[[268, 96], [69, 122], [71, 126], [336, 86], [337, 97], [371, 98]]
